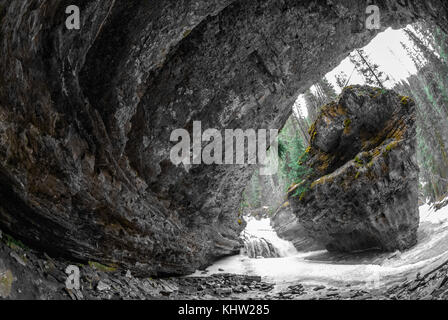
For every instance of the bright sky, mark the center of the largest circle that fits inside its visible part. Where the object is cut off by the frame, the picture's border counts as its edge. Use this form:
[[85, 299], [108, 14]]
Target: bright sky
[[386, 51]]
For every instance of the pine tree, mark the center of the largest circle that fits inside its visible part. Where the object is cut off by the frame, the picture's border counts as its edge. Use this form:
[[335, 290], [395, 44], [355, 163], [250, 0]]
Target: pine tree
[[429, 88], [341, 79], [369, 70]]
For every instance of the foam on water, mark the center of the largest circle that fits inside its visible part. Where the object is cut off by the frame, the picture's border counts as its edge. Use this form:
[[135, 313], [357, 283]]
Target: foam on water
[[262, 229], [321, 267]]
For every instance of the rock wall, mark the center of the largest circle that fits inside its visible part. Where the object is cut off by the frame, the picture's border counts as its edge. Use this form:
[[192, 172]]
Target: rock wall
[[287, 226], [363, 187], [86, 115]]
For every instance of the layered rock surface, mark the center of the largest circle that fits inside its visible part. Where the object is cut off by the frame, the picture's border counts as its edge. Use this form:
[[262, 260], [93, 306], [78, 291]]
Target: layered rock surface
[[86, 115], [287, 226], [363, 188]]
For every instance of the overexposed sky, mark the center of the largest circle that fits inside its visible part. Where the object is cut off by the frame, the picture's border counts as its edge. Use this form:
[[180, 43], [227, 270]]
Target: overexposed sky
[[386, 51]]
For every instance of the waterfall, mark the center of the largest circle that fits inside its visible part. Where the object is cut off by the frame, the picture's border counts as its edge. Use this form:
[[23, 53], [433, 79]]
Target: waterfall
[[260, 240], [259, 247]]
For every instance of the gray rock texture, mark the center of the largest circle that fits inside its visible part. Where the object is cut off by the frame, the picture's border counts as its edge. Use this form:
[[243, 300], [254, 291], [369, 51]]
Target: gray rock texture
[[363, 191], [86, 115]]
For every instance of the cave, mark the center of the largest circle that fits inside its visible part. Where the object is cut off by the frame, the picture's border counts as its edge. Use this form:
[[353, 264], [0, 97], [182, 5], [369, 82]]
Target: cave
[[86, 116]]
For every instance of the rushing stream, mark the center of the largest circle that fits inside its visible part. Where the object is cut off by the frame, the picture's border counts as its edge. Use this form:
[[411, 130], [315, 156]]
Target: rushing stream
[[321, 267]]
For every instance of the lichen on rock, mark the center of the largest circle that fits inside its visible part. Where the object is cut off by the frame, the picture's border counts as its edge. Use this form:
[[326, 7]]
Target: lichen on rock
[[6, 280], [363, 192]]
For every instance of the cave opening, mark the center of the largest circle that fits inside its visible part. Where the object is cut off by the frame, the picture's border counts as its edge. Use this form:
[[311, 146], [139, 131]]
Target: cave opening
[[86, 117], [409, 61]]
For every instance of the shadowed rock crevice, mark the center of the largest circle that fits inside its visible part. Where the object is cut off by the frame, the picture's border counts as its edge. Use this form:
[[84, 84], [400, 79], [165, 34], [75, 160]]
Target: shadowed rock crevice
[[288, 227]]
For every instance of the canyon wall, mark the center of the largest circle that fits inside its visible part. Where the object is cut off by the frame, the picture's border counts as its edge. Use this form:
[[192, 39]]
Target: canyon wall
[[86, 115]]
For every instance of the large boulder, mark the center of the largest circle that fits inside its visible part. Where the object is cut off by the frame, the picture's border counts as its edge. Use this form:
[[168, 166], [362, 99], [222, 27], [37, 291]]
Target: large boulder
[[287, 226], [362, 192]]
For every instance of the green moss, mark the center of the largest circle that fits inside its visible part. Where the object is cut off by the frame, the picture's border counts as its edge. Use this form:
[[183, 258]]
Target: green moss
[[325, 161], [379, 92], [300, 189], [358, 161], [13, 243], [186, 33], [6, 280], [347, 123], [405, 100], [312, 131], [100, 267], [376, 152], [357, 174], [391, 146], [312, 128], [322, 180]]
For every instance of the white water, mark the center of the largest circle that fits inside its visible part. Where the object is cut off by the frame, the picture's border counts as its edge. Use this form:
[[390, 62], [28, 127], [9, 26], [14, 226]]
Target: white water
[[321, 267], [262, 229]]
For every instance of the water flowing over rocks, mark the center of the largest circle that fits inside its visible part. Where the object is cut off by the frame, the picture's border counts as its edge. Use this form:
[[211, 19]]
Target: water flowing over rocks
[[363, 188], [255, 247], [86, 115]]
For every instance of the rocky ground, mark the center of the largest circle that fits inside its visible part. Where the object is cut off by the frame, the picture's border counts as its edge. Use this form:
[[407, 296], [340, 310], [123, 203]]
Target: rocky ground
[[26, 274]]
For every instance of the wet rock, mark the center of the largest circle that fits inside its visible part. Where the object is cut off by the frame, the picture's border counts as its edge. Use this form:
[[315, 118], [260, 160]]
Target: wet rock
[[18, 258], [102, 286], [253, 278], [440, 204], [224, 291], [201, 288], [297, 289], [288, 227], [167, 288], [78, 294], [36, 283], [332, 294], [362, 191], [255, 247]]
